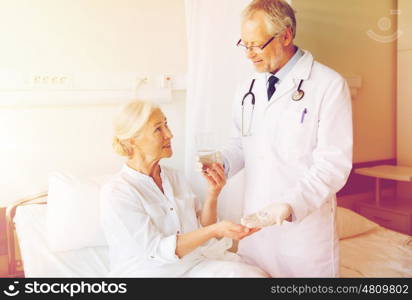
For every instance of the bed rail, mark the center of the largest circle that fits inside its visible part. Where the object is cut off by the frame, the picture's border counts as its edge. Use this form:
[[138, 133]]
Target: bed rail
[[10, 227]]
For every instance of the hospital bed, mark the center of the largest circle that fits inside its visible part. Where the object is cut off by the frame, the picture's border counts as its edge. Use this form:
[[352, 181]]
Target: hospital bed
[[368, 250]]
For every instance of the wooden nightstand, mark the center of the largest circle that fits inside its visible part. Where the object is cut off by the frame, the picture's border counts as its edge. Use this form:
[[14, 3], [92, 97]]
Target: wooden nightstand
[[3, 243], [5, 270], [388, 212]]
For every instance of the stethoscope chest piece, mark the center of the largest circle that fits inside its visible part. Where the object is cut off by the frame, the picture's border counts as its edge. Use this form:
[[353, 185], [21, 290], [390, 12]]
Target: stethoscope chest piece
[[298, 95]]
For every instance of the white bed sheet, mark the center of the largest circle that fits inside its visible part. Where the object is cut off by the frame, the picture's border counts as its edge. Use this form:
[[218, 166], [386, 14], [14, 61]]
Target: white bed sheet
[[40, 261], [378, 253]]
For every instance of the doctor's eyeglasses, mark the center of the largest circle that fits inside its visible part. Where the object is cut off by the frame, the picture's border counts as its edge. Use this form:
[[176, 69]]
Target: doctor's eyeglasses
[[256, 49]]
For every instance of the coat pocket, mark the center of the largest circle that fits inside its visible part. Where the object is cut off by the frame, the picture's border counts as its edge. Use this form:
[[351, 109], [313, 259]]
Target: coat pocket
[[294, 133]]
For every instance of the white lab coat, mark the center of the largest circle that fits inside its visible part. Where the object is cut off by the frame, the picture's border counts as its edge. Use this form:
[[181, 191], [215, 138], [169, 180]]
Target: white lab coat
[[301, 162], [141, 225]]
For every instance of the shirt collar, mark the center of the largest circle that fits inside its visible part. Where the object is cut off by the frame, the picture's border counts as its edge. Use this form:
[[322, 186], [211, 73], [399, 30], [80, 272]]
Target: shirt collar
[[167, 187], [134, 174], [281, 74]]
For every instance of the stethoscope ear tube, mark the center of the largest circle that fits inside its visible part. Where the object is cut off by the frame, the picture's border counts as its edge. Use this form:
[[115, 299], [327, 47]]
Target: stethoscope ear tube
[[249, 93]]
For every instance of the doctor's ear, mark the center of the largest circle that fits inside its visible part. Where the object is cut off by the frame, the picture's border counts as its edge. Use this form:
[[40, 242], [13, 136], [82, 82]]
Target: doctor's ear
[[287, 37]]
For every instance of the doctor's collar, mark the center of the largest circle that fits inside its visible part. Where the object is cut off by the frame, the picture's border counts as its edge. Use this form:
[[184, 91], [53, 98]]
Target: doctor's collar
[[283, 72]]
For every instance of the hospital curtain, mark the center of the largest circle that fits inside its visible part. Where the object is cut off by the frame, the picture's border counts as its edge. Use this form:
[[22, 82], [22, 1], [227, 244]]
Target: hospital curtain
[[215, 67]]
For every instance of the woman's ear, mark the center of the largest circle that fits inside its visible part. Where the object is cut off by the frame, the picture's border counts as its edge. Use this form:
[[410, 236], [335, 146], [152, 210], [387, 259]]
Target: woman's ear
[[128, 146]]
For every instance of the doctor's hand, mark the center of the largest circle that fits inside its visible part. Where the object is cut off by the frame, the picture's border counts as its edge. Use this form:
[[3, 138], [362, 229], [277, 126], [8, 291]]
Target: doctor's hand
[[272, 214], [215, 177], [231, 230]]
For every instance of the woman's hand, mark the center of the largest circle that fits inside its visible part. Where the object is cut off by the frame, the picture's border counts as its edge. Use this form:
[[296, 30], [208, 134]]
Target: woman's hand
[[233, 231], [215, 177], [187, 242]]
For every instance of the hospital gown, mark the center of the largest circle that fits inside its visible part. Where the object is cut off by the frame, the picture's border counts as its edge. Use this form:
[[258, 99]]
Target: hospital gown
[[141, 225]]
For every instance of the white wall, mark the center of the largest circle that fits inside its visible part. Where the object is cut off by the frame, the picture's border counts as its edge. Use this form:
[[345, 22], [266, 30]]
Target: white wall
[[93, 35], [69, 36], [336, 32]]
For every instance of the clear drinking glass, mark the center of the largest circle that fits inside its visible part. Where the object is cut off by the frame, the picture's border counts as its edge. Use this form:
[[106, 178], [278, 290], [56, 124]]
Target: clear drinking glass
[[207, 148]]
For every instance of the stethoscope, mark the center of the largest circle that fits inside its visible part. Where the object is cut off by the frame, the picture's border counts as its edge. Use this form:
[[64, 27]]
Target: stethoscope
[[296, 96]]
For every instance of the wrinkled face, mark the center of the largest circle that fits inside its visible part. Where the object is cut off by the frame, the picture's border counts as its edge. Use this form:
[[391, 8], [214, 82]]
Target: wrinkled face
[[154, 140], [254, 33]]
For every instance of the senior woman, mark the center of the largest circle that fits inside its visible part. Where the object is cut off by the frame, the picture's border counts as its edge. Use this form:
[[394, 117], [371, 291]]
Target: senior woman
[[150, 216]]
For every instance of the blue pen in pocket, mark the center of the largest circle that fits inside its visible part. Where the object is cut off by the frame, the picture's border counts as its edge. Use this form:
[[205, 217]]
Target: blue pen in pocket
[[304, 112]]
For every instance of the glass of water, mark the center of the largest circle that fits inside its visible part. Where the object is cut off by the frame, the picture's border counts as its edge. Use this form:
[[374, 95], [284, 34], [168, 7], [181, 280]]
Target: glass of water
[[207, 148]]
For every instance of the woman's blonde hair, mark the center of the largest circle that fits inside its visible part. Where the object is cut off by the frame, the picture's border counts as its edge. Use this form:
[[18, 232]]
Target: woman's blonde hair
[[278, 14], [130, 119]]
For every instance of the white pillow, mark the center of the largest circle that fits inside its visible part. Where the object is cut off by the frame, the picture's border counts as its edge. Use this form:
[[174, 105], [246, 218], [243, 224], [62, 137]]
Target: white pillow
[[73, 212], [350, 224]]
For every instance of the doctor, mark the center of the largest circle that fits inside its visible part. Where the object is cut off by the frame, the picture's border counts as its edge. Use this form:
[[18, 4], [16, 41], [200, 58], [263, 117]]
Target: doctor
[[293, 138]]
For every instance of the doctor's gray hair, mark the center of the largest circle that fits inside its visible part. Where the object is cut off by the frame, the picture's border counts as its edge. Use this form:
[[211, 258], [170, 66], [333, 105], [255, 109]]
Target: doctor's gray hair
[[130, 119], [279, 14]]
